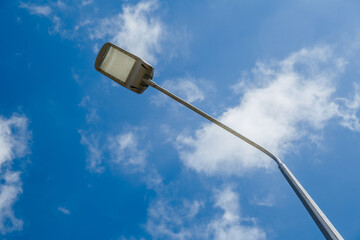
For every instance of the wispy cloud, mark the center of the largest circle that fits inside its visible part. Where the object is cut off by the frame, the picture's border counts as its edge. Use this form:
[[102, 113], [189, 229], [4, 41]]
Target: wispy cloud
[[230, 225], [186, 220], [267, 201], [122, 148], [87, 103], [126, 152], [168, 222], [86, 2], [292, 100], [349, 109], [49, 11], [64, 210], [94, 152], [14, 138], [40, 10], [185, 87], [123, 152], [9, 193]]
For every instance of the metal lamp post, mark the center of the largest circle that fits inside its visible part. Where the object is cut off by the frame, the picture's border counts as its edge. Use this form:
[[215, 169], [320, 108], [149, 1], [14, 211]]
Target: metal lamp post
[[135, 74]]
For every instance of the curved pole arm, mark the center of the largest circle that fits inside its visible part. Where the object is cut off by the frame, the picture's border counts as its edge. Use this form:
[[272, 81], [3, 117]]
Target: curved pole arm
[[323, 223]]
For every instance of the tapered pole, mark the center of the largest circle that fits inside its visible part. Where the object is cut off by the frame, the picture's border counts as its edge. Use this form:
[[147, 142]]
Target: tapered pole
[[323, 223]]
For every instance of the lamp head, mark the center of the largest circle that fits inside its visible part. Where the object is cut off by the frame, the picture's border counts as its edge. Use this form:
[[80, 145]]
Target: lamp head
[[123, 67]]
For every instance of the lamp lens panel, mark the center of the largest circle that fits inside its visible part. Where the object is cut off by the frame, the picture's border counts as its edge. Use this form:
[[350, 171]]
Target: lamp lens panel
[[117, 64]]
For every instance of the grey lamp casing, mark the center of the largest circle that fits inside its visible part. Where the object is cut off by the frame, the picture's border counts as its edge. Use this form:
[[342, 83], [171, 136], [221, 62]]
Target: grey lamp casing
[[140, 71]]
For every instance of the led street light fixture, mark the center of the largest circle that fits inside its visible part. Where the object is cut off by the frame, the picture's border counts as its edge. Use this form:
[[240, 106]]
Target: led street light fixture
[[123, 67]]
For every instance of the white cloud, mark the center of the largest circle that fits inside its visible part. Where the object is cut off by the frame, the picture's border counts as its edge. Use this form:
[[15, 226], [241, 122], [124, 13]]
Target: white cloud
[[128, 153], [64, 210], [92, 115], [122, 152], [292, 100], [40, 10], [14, 138], [50, 13], [169, 219], [84, 101], [230, 224], [167, 222], [349, 110], [82, 24], [136, 29], [9, 192], [86, 2], [267, 201], [125, 151], [184, 87], [94, 154]]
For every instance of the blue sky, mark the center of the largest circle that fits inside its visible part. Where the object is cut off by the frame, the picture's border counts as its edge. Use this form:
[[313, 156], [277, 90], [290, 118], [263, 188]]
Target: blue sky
[[84, 158]]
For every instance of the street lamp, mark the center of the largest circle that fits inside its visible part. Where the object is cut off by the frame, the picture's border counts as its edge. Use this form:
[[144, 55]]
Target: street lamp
[[123, 67], [133, 73]]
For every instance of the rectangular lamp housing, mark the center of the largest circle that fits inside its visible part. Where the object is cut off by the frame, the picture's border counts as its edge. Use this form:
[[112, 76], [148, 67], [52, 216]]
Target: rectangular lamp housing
[[123, 67]]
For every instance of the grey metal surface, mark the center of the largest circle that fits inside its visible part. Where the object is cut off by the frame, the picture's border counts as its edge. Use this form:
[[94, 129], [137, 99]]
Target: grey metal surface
[[325, 226], [323, 223], [134, 81]]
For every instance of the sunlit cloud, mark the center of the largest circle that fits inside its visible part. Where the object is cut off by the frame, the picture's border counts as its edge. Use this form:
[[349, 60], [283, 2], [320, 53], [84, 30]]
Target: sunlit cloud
[[14, 141]]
